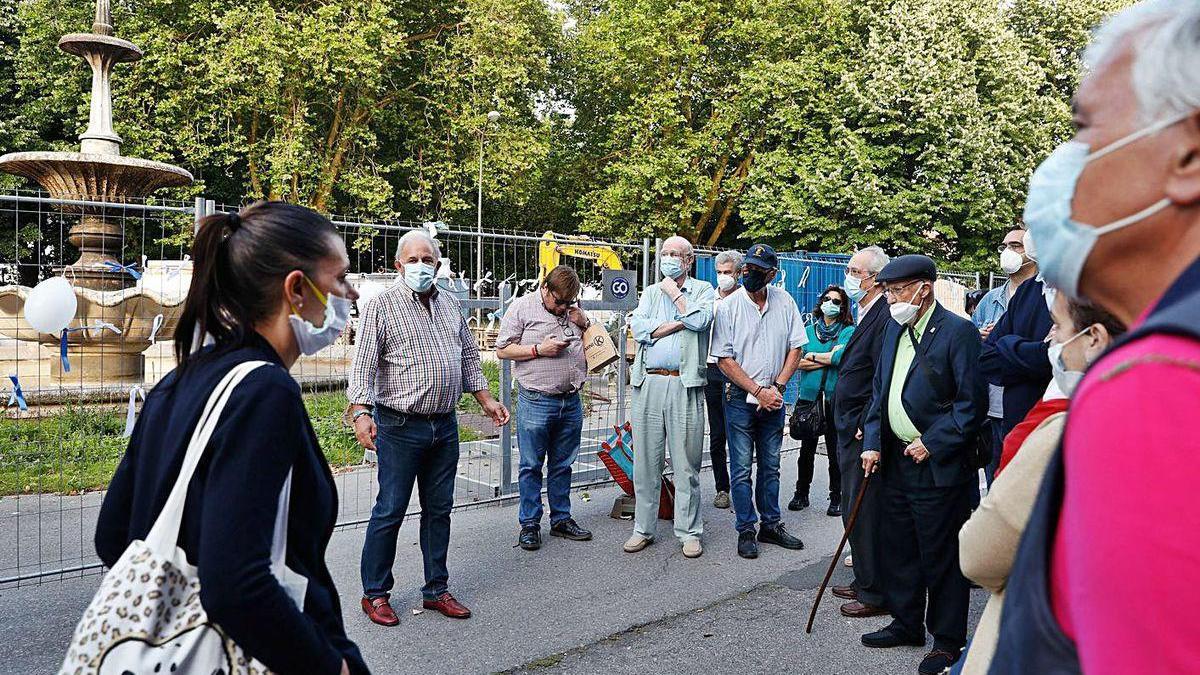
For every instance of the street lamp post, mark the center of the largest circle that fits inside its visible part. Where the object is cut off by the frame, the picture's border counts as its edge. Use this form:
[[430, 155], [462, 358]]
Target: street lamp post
[[492, 118]]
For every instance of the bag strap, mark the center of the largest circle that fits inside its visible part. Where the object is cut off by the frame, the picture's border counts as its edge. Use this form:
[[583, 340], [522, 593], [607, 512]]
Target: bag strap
[[164, 535], [943, 401]]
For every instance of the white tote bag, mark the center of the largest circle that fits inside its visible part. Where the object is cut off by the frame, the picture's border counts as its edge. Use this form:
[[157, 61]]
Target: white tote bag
[[146, 616]]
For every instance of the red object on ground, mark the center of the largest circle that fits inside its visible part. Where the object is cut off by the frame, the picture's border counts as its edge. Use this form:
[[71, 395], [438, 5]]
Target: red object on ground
[[617, 455]]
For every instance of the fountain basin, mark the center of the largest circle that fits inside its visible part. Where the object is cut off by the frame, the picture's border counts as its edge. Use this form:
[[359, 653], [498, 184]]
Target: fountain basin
[[94, 177], [98, 354]]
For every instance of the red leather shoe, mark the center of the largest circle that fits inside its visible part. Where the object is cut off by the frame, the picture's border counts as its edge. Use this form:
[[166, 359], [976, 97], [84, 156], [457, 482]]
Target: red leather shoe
[[447, 605], [379, 611]]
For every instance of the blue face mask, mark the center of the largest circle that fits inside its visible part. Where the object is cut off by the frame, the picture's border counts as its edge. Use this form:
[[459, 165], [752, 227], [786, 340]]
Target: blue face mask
[[1063, 245], [670, 267], [419, 276], [829, 309]]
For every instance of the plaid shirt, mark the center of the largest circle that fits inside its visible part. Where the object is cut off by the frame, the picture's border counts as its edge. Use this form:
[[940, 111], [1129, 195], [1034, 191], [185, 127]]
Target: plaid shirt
[[412, 359]]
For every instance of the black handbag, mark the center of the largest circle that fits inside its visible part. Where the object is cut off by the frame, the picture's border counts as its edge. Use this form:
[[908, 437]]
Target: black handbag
[[808, 417], [979, 451]]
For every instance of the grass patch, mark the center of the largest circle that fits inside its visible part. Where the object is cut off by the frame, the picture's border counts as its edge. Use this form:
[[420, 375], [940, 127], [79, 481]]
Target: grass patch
[[76, 448]]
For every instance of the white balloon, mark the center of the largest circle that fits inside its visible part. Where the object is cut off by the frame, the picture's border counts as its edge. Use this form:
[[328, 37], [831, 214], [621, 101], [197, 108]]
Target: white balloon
[[51, 305]]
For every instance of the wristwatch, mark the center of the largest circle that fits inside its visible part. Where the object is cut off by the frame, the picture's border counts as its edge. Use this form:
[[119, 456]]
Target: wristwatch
[[359, 413], [781, 387]]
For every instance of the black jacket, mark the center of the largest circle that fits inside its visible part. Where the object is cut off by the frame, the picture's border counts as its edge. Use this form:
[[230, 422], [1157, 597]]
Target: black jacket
[[852, 393], [1014, 356], [950, 347], [229, 515]]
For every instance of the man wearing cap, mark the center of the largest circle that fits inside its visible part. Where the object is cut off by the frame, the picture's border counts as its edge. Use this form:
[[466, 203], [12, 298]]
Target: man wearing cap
[[668, 376], [929, 402], [758, 339]]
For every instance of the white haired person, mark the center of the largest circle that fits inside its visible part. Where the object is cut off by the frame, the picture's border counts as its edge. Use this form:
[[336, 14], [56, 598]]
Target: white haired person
[[1107, 575], [729, 275], [668, 378], [415, 358]]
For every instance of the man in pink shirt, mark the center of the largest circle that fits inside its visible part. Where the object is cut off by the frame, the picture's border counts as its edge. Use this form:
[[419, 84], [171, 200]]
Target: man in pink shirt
[[1107, 578]]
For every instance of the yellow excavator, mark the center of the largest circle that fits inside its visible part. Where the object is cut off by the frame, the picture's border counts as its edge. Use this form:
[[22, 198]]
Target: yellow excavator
[[551, 249]]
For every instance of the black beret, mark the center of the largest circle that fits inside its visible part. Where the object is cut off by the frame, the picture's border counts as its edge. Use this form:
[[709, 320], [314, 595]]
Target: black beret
[[908, 267]]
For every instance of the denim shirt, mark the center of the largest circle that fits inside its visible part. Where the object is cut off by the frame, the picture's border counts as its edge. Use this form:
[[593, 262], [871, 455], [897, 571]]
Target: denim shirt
[[654, 310], [991, 307]]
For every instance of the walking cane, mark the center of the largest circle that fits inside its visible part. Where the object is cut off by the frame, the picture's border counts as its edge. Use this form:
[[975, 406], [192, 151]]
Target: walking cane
[[862, 490]]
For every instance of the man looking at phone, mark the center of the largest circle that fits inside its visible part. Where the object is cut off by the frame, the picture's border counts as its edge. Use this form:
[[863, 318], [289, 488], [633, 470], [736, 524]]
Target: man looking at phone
[[541, 333], [668, 376], [758, 341]]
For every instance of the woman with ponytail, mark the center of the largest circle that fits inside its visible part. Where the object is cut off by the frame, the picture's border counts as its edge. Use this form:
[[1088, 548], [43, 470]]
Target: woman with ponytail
[[268, 284]]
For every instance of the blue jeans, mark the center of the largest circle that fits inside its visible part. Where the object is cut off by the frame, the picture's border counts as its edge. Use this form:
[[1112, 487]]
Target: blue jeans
[[753, 434], [548, 431], [424, 450]]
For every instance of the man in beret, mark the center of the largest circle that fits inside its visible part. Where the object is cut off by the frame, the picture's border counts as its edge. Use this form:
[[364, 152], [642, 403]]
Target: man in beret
[[929, 402]]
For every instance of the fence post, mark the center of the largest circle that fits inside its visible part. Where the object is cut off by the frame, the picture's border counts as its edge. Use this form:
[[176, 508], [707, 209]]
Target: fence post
[[198, 209], [645, 263], [622, 367], [979, 280], [506, 454]]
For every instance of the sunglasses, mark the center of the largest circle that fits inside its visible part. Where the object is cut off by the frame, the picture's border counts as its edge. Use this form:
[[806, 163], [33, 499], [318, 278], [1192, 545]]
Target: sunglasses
[[836, 301], [563, 303]]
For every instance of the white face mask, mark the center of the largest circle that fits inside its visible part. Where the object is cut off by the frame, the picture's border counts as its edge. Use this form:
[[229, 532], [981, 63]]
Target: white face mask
[[1011, 261], [905, 312], [1067, 380], [726, 282], [853, 286], [311, 339]]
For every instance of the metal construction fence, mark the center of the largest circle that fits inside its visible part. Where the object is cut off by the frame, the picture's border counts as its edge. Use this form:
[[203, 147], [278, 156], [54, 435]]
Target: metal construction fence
[[64, 431]]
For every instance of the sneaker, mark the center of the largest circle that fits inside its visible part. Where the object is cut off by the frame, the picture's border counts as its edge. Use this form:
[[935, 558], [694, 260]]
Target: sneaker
[[530, 538], [636, 542], [569, 529], [692, 548], [776, 534], [937, 661], [799, 502], [721, 501], [747, 548]]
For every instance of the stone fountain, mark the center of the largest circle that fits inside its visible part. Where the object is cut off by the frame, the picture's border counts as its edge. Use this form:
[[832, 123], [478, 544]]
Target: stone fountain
[[94, 175]]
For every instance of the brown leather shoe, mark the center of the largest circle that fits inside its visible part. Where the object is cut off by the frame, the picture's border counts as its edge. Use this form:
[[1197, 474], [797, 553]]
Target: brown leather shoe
[[379, 611], [861, 610], [447, 605], [845, 592]]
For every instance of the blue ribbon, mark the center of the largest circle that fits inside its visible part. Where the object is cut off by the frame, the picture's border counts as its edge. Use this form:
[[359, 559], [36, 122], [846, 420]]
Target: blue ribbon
[[130, 269], [62, 352], [17, 396]]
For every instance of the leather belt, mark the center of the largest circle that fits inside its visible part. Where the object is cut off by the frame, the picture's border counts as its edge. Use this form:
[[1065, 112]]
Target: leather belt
[[662, 371]]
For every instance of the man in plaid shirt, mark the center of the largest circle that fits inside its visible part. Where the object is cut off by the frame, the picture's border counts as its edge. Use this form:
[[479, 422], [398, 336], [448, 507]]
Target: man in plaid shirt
[[415, 359]]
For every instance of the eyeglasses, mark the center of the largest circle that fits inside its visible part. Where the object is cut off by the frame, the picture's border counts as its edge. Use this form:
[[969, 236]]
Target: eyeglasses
[[1017, 246], [859, 274], [894, 291], [563, 303]]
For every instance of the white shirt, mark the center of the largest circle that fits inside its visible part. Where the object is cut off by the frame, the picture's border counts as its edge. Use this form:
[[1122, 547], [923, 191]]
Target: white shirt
[[862, 310], [758, 340]]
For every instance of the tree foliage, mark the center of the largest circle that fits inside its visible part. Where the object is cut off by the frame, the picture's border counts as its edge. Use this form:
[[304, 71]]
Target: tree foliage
[[813, 124]]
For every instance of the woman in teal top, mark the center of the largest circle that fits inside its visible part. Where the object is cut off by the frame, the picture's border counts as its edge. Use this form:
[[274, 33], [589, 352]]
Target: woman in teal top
[[828, 332]]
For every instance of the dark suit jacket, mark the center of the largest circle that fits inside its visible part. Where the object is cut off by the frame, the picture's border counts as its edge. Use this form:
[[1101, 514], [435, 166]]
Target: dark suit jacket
[[852, 393], [1014, 356], [950, 347]]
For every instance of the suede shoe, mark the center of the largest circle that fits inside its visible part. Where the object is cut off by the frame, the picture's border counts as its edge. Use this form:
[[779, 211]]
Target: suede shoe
[[747, 548], [530, 538], [861, 610], [379, 611], [845, 592], [776, 534], [636, 542], [891, 636], [448, 606], [721, 501], [937, 661], [569, 529]]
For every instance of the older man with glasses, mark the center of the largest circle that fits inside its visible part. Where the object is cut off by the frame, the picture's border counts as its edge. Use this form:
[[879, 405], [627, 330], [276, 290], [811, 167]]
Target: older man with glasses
[[668, 378]]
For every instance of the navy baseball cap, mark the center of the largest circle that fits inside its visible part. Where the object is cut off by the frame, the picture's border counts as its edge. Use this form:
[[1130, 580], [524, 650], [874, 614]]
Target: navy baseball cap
[[762, 256]]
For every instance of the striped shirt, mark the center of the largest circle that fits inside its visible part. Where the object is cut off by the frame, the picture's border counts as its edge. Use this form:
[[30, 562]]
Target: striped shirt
[[412, 359]]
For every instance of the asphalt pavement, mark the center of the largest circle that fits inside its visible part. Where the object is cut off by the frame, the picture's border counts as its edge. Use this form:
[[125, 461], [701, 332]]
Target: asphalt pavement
[[572, 607]]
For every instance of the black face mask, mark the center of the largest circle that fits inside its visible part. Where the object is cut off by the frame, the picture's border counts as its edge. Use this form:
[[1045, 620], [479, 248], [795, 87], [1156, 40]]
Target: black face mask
[[754, 280]]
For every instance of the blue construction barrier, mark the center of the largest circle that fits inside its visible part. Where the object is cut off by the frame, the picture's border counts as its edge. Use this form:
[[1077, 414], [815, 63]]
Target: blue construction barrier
[[804, 275]]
